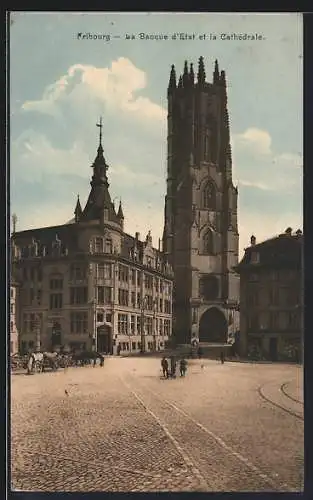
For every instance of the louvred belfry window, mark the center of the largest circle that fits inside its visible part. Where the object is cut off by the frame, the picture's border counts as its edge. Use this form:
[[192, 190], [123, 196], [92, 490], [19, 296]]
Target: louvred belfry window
[[209, 196]]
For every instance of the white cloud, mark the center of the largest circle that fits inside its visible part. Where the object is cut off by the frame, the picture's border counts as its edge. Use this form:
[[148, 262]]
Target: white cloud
[[115, 87], [257, 165]]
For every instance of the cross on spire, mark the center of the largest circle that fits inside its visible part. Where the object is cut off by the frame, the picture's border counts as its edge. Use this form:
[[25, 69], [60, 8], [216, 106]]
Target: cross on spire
[[100, 134]]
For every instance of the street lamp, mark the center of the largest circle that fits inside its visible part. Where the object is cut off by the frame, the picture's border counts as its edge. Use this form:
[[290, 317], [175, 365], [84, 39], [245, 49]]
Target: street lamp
[[37, 327], [143, 307]]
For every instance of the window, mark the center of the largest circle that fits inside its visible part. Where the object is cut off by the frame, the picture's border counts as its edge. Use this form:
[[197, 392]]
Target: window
[[99, 318], [123, 297], [79, 322], [12, 292], [209, 196], [132, 325], [98, 245], [109, 318], [274, 296], [138, 278], [133, 346], [108, 245], [77, 272], [255, 257], [133, 276], [161, 326], [133, 299], [11, 326], [167, 306], [31, 295], [167, 327], [104, 295], [56, 300], [104, 271], [138, 325], [148, 281], [138, 300], [56, 283], [12, 308], [39, 297], [208, 243], [122, 324], [149, 325], [253, 322], [293, 320], [78, 295], [161, 305], [157, 284], [123, 273]]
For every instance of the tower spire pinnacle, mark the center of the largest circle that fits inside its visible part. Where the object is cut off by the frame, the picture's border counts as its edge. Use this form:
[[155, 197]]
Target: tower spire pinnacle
[[185, 75], [172, 81], [192, 75], [201, 72], [78, 210], [216, 74]]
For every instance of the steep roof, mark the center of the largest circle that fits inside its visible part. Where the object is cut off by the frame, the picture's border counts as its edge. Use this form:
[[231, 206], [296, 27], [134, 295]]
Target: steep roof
[[283, 251]]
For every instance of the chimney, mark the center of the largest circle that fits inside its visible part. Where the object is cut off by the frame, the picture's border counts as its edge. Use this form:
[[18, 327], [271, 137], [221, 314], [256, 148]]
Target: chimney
[[137, 236], [288, 231], [253, 240]]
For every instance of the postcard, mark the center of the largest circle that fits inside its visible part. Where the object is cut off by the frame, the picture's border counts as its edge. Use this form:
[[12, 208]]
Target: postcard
[[156, 295]]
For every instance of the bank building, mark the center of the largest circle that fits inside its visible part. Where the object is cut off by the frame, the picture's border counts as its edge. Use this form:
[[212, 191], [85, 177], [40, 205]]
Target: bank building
[[200, 238], [88, 284]]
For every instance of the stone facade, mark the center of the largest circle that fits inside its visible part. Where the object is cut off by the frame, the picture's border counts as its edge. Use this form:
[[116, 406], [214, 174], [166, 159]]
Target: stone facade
[[200, 236], [271, 298], [14, 341], [88, 284]]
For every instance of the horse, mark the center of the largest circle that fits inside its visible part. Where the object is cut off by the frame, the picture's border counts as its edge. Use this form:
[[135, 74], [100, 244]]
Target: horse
[[35, 362]]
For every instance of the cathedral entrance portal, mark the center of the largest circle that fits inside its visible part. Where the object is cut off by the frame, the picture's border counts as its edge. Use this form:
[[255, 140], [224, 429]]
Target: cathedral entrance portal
[[104, 339], [213, 326]]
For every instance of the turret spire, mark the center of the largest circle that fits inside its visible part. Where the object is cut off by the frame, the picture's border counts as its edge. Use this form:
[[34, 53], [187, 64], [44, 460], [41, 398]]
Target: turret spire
[[216, 74], [120, 211], [172, 82], [180, 82], [223, 78], [201, 72], [192, 75], [78, 210], [185, 75], [14, 221]]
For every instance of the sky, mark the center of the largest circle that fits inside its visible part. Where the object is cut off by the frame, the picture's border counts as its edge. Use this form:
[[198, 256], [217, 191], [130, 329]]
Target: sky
[[61, 81]]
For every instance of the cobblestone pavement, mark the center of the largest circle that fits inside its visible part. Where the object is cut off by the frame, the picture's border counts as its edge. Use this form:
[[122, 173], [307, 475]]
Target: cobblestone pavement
[[231, 427]]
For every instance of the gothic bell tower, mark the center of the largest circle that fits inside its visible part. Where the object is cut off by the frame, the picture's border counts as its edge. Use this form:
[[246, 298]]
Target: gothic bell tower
[[200, 235]]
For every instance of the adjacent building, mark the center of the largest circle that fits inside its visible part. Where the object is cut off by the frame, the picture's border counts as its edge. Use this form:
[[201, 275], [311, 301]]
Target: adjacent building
[[200, 238], [271, 297], [14, 340], [88, 284]]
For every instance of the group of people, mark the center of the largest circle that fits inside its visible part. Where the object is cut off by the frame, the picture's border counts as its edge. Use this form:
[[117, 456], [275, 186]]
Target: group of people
[[169, 369]]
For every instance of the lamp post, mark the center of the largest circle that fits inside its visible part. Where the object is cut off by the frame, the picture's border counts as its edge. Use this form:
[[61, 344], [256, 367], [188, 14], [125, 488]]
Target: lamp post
[[37, 327], [143, 308]]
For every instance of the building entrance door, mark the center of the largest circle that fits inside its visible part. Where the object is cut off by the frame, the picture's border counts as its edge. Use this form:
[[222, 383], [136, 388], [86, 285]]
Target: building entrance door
[[213, 326], [273, 349], [104, 339], [56, 336]]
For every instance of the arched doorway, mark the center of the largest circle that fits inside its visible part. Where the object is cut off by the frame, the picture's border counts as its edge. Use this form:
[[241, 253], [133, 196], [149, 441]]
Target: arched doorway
[[104, 340], [213, 326], [56, 335]]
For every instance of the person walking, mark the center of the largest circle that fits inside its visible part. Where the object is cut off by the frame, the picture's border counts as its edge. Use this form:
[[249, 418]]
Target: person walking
[[222, 357], [183, 367], [164, 364], [173, 367]]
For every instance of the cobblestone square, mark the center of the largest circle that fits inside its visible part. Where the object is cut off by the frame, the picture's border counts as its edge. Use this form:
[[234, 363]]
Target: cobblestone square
[[231, 427]]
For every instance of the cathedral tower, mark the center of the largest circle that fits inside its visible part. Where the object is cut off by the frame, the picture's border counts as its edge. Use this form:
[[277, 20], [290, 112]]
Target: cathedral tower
[[200, 234]]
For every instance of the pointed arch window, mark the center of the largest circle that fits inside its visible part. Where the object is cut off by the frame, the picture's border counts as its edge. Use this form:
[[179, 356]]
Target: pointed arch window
[[209, 196], [208, 243]]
